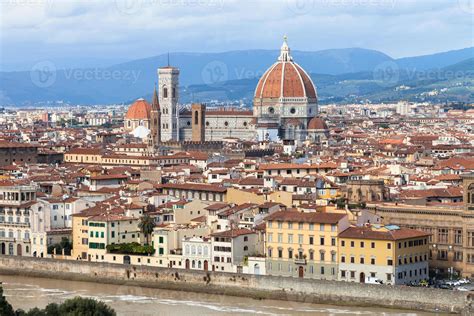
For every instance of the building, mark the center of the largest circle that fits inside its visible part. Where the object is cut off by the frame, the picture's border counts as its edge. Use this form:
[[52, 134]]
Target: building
[[385, 254], [197, 253], [303, 244], [15, 218], [285, 100], [17, 153], [231, 248], [451, 228]]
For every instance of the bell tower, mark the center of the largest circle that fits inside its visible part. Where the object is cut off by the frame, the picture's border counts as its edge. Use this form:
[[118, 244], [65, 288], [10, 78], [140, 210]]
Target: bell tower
[[168, 83]]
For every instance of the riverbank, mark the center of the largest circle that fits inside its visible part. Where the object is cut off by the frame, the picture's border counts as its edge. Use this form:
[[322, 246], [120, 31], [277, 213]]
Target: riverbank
[[257, 287]]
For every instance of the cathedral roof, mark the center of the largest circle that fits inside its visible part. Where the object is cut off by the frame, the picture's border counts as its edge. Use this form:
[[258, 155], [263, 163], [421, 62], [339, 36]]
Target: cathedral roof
[[285, 79], [317, 123], [139, 110]]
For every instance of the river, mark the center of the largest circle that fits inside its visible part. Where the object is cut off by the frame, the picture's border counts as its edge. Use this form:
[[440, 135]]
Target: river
[[28, 292]]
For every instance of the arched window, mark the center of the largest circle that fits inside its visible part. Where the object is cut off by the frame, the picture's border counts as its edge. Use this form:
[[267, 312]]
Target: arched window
[[174, 92], [194, 264], [246, 248], [199, 264], [186, 250], [205, 251], [165, 92], [196, 117], [193, 250], [246, 238], [199, 250]]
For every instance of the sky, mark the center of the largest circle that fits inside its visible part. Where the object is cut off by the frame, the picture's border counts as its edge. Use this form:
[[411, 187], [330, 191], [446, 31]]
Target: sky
[[82, 32]]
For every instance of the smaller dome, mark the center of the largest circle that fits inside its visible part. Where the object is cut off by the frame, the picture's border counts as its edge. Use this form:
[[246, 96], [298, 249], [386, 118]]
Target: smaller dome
[[139, 110], [317, 123], [293, 122]]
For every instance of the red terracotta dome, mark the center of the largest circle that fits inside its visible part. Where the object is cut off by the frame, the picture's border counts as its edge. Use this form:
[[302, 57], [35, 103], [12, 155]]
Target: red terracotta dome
[[317, 123], [286, 79], [139, 110]]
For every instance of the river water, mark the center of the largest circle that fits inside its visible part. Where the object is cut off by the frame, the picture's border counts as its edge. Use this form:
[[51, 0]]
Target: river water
[[27, 292]]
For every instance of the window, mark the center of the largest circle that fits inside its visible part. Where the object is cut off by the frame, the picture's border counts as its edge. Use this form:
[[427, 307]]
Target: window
[[343, 259], [333, 241], [280, 238], [343, 243], [311, 240], [280, 225], [352, 259], [389, 246], [352, 244], [300, 226], [470, 239], [270, 253], [372, 260], [443, 235], [280, 253], [361, 244], [300, 239], [389, 262], [321, 227], [290, 253], [165, 92], [343, 273], [362, 260], [290, 225], [311, 226], [321, 240], [322, 270], [270, 237], [333, 227], [372, 245], [353, 274], [290, 238]]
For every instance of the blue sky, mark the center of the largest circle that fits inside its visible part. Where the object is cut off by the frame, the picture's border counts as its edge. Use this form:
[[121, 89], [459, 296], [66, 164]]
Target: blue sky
[[87, 31]]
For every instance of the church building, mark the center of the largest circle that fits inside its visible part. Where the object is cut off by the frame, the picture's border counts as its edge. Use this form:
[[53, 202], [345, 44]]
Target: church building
[[285, 107]]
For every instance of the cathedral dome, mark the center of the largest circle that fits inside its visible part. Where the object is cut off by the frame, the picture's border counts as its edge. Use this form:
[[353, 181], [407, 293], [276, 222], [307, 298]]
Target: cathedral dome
[[285, 79], [139, 110], [317, 123]]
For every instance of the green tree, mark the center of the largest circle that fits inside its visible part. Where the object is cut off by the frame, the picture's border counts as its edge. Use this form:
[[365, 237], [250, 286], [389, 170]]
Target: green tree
[[146, 225], [5, 308]]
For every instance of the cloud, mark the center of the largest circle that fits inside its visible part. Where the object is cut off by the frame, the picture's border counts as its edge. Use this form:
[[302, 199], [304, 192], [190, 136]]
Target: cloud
[[140, 28]]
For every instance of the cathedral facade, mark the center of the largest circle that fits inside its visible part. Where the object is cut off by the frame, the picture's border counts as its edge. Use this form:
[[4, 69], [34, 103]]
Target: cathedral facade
[[285, 107]]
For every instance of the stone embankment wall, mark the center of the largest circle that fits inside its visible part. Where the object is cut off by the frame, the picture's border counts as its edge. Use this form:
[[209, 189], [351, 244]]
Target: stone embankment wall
[[258, 287]]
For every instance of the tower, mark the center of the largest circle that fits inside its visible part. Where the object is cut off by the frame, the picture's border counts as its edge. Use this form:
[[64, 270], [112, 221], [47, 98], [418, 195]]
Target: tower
[[198, 122], [155, 124], [168, 83]]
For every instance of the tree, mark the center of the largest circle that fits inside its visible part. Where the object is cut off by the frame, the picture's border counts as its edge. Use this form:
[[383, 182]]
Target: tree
[[5, 308], [146, 225], [77, 306]]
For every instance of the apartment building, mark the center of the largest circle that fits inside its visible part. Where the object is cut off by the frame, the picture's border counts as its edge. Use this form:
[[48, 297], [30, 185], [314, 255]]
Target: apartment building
[[383, 254], [303, 244]]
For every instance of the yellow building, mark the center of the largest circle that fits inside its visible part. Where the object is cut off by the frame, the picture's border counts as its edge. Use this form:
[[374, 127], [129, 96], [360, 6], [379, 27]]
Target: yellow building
[[303, 244], [383, 254]]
